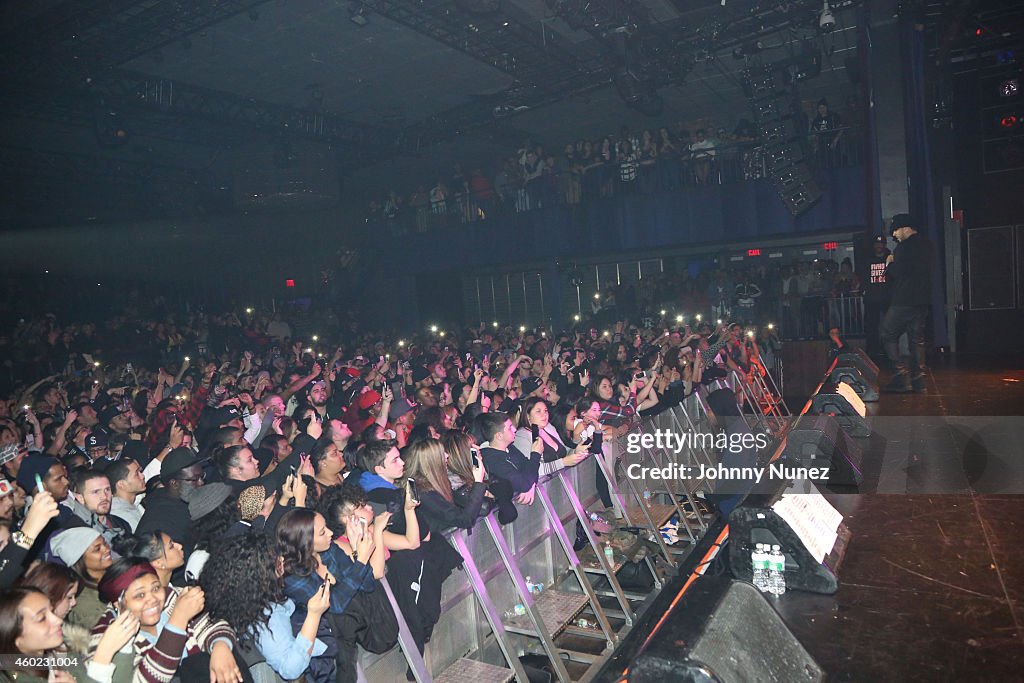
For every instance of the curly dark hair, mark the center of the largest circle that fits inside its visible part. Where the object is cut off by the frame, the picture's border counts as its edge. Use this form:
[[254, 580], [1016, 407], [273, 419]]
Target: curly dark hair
[[336, 499], [242, 566]]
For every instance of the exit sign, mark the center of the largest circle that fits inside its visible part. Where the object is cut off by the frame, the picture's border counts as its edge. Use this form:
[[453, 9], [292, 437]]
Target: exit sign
[[753, 252], [830, 246]]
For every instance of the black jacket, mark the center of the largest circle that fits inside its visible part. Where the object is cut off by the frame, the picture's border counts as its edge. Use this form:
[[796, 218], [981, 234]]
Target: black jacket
[[910, 272], [168, 514], [513, 467], [441, 514]]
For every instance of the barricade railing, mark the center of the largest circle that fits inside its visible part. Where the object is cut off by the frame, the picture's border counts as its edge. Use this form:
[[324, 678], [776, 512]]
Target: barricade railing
[[490, 617]]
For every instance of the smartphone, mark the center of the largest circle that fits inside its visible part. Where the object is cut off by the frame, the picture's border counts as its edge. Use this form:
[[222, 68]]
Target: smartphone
[[191, 579], [292, 469], [411, 490], [596, 442], [535, 430], [641, 375], [39, 484]]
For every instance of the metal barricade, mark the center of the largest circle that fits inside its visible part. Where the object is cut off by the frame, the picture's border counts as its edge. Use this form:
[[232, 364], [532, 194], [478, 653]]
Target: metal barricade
[[478, 637]]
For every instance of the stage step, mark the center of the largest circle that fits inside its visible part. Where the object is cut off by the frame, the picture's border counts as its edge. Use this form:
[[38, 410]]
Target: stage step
[[557, 609], [466, 670]]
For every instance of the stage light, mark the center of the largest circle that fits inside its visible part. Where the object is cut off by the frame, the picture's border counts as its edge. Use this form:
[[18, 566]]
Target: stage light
[[289, 283], [1009, 121], [1009, 87]]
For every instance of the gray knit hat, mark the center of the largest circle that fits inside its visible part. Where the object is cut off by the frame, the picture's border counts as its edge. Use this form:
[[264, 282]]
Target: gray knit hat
[[203, 500], [69, 545]]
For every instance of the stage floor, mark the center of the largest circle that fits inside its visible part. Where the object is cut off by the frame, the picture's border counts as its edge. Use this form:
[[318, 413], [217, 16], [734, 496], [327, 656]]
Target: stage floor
[[932, 585]]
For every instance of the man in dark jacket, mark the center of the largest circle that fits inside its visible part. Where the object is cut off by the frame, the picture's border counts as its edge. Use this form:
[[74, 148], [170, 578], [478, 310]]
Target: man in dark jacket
[[166, 509], [909, 272]]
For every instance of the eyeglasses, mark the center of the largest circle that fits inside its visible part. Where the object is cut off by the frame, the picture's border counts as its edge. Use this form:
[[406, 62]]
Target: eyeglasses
[[201, 477]]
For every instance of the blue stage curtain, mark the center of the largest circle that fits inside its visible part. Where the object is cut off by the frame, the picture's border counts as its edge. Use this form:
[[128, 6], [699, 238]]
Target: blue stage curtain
[[922, 198]]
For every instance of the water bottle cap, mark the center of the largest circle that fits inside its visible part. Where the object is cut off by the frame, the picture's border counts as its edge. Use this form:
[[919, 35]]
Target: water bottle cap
[[775, 547]]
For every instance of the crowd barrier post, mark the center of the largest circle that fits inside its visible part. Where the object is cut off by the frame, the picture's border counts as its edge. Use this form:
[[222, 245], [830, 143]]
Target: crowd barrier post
[[661, 514], [479, 585], [628, 513], [697, 408], [607, 568], [574, 562], [540, 630], [405, 639]]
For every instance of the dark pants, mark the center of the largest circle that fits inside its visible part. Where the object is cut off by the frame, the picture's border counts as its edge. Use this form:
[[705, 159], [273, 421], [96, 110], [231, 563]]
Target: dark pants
[[873, 313], [368, 621], [911, 320]]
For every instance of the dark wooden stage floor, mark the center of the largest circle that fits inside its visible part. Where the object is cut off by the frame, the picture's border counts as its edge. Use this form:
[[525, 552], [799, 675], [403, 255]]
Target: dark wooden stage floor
[[932, 586]]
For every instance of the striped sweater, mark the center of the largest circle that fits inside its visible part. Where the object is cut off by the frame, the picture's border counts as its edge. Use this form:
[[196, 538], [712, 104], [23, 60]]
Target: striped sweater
[[158, 662]]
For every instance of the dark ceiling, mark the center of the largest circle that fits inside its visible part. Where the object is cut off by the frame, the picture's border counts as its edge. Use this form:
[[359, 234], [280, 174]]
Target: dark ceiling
[[148, 108]]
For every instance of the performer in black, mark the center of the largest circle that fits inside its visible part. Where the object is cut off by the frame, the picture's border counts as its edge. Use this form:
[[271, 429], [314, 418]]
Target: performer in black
[[909, 273]]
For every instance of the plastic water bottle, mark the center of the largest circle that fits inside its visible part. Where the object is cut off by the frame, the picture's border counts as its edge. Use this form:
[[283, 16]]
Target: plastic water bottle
[[778, 571], [529, 585], [758, 562], [647, 498], [609, 553]]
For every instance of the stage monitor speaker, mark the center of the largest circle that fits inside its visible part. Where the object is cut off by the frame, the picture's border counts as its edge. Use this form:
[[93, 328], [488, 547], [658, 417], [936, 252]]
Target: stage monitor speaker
[[852, 375], [859, 359], [763, 519], [818, 441], [842, 403], [724, 631]]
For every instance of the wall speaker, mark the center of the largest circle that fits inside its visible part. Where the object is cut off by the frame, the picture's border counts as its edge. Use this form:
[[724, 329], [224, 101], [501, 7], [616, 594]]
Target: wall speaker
[[990, 267], [726, 631], [818, 441]]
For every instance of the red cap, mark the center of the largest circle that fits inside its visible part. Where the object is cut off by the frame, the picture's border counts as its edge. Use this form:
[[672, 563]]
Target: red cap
[[368, 399]]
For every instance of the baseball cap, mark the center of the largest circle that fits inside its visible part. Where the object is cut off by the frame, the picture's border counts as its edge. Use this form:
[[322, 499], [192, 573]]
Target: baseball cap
[[880, 239], [177, 460], [530, 385], [368, 398], [400, 407], [97, 439]]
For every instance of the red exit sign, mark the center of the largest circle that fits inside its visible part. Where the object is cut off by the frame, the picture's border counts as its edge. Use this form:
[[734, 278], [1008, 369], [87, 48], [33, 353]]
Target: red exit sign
[[753, 252], [830, 246]]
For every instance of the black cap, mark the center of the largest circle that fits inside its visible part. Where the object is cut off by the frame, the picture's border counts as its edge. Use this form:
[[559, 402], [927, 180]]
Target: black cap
[[879, 239], [530, 385], [900, 220], [177, 460]]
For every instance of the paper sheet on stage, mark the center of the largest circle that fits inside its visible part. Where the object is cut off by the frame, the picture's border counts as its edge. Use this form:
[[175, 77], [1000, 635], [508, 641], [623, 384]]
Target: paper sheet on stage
[[813, 519]]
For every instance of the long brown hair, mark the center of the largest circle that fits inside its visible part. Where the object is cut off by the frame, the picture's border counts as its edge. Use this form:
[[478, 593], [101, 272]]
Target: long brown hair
[[424, 462], [11, 621], [295, 541], [460, 456], [53, 580]]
